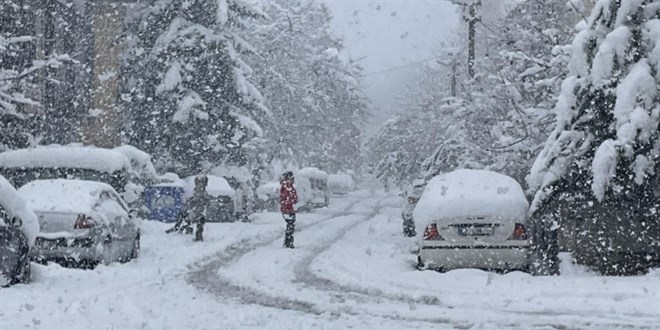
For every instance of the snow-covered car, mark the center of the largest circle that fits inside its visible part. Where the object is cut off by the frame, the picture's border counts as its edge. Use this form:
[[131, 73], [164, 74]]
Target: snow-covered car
[[268, 196], [82, 223], [340, 184], [126, 168], [312, 187], [18, 229], [410, 199], [222, 194], [474, 219]]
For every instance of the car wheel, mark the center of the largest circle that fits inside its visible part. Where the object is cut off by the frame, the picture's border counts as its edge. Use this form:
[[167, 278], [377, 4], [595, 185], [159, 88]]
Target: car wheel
[[136, 247], [420, 264]]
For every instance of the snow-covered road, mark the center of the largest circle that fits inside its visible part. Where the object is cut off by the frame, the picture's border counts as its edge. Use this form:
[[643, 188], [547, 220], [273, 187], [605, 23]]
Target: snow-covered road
[[351, 268]]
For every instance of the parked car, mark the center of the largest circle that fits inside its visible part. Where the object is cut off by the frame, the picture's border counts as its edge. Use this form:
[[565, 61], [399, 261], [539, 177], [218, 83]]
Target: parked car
[[268, 196], [410, 199], [475, 219], [222, 203], [340, 184], [18, 230], [312, 186], [126, 168], [83, 223]]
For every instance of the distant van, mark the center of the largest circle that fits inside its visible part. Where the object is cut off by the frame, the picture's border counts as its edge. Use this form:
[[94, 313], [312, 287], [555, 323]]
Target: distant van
[[312, 186]]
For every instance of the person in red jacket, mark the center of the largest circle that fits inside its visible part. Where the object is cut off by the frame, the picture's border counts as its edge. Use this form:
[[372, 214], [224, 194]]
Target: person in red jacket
[[288, 198]]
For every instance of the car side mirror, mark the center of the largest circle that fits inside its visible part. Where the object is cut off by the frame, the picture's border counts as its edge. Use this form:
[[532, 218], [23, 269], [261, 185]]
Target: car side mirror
[[16, 222]]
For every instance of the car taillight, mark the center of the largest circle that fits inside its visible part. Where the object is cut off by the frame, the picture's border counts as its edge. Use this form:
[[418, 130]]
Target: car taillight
[[84, 222], [519, 232], [412, 200], [431, 233]]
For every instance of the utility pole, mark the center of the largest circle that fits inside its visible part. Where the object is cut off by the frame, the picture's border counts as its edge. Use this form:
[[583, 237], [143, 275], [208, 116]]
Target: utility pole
[[472, 17]]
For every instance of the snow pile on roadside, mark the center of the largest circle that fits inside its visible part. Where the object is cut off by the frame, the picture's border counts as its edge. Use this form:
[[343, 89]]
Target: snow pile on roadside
[[15, 206]]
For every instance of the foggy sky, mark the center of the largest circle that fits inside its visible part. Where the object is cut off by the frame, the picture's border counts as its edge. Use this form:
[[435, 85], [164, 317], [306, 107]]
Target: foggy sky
[[392, 37]]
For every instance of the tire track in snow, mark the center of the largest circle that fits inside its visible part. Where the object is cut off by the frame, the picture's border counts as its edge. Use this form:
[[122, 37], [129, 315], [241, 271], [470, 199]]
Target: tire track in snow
[[205, 277]]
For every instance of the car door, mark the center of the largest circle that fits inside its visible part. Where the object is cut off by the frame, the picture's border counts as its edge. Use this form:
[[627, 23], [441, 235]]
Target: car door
[[123, 228]]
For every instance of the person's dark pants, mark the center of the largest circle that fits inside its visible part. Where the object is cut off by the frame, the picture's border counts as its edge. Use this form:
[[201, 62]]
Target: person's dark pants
[[200, 228], [290, 219]]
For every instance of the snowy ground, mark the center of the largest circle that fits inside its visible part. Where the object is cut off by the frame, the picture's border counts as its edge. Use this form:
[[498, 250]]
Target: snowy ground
[[351, 268]]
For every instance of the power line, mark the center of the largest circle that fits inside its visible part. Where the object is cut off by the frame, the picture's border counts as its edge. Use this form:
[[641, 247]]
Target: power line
[[395, 68]]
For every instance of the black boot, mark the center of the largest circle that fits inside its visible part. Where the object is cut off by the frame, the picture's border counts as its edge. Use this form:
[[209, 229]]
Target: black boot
[[288, 234]]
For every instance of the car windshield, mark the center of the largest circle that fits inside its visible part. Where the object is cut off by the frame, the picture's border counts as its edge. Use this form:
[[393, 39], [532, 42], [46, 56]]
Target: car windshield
[[56, 222]]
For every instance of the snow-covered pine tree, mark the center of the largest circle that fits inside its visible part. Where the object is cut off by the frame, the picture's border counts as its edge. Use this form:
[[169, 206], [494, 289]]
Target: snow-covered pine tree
[[187, 97], [524, 65], [598, 173]]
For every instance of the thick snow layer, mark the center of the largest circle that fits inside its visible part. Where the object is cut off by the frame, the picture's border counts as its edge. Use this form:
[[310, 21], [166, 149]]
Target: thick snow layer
[[15, 206], [189, 105], [171, 80], [248, 123], [268, 190], [351, 269], [652, 33], [140, 161], [312, 172], [603, 167], [70, 196], [340, 183], [217, 186], [464, 193], [72, 156], [613, 47]]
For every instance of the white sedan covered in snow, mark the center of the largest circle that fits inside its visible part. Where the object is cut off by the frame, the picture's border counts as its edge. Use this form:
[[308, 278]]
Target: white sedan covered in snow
[[475, 219], [82, 222]]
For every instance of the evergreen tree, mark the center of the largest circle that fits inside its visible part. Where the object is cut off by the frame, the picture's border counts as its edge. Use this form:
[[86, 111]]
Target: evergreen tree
[[187, 98], [600, 165]]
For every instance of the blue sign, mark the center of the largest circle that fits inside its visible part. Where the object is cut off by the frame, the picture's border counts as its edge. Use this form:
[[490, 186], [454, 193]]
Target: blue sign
[[164, 203]]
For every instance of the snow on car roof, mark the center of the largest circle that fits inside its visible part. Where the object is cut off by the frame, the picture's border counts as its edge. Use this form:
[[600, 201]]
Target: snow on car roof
[[312, 172], [60, 195], [71, 156], [341, 180], [140, 161], [15, 206], [269, 187], [464, 193], [217, 186]]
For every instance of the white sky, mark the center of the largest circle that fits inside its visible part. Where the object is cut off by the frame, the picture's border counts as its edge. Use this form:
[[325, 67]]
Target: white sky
[[391, 34]]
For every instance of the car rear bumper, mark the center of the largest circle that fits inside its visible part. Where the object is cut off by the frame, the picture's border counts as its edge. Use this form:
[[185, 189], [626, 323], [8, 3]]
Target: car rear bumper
[[502, 257], [66, 253]]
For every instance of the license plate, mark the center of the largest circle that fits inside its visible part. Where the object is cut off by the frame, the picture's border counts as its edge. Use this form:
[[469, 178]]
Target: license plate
[[476, 231]]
